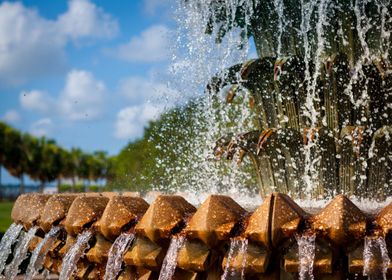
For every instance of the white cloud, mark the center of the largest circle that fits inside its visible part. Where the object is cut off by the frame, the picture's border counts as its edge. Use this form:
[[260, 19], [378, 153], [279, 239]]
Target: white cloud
[[132, 120], [42, 127], [11, 116], [138, 89], [36, 100], [152, 45], [84, 19], [29, 45], [152, 6], [32, 46], [150, 99], [82, 97]]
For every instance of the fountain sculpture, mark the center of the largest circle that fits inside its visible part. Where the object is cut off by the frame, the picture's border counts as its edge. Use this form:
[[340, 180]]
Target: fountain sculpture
[[220, 239], [321, 91]]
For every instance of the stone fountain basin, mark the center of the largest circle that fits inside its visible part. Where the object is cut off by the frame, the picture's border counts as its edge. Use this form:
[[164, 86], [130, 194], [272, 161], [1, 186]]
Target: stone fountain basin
[[271, 229]]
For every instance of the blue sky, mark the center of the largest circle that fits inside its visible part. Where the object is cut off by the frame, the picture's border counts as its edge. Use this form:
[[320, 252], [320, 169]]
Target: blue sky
[[69, 69], [86, 73]]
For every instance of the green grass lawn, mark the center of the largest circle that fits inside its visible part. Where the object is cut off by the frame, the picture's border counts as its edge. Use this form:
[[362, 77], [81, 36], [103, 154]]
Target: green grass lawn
[[5, 215]]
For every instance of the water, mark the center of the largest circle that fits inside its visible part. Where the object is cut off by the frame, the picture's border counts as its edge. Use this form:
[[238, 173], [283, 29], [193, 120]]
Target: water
[[195, 167], [375, 258], [238, 247], [9, 238], [116, 254], [170, 262], [312, 31], [74, 254], [306, 253], [38, 256], [45, 274], [310, 109], [20, 254]]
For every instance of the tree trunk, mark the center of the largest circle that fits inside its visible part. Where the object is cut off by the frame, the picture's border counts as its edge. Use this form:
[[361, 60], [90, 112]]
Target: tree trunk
[[1, 169], [86, 186], [58, 185], [21, 186], [42, 187], [73, 184]]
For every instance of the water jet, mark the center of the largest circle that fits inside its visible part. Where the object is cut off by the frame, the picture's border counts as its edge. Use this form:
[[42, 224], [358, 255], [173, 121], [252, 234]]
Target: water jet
[[320, 93]]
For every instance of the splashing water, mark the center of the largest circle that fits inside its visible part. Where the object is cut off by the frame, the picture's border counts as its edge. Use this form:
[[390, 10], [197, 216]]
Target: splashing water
[[74, 254], [199, 58], [170, 262], [20, 254], [335, 41], [45, 274], [9, 238], [306, 254], [116, 254], [40, 252], [238, 247], [375, 258]]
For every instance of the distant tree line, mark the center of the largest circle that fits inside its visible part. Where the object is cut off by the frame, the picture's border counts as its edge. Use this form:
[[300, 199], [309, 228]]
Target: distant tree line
[[153, 160], [162, 158], [44, 161], [168, 155]]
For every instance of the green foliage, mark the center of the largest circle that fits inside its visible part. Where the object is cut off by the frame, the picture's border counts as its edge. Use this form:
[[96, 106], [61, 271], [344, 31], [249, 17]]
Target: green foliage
[[5, 215], [138, 165], [43, 160], [71, 188]]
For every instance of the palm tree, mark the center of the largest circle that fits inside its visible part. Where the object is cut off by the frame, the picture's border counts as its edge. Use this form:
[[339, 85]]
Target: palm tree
[[102, 166], [15, 160], [51, 165], [3, 128], [85, 169], [76, 159], [94, 166]]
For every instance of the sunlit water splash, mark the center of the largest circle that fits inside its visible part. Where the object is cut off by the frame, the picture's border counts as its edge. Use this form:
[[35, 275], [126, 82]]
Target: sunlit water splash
[[306, 253], [74, 254], [116, 254], [9, 238], [319, 30], [40, 252], [238, 247], [375, 258], [20, 254], [170, 262], [199, 58], [45, 274]]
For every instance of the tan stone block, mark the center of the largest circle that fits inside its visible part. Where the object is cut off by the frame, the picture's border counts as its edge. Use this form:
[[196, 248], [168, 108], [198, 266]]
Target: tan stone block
[[55, 210], [194, 256], [146, 253], [341, 221], [84, 211], [164, 215], [99, 252], [28, 208], [214, 220], [121, 211]]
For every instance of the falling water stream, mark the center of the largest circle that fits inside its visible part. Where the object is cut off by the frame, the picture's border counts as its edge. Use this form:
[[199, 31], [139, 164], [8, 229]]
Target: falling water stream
[[9, 238], [238, 247], [45, 274], [116, 254], [306, 253], [170, 262], [74, 254], [20, 254], [375, 258], [39, 253], [314, 32]]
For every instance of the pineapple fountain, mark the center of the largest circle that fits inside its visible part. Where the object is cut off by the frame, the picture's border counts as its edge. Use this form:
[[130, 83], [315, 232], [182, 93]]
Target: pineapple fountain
[[321, 97]]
